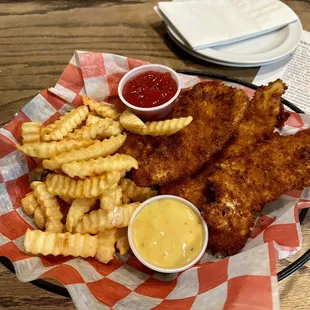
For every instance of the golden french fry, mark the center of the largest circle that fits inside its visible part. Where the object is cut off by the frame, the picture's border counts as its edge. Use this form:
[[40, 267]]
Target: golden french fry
[[49, 149], [78, 208], [49, 206], [115, 129], [67, 200], [54, 226], [65, 124], [94, 222], [97, 166], [131, 121], [122, 243], [46, 243], [136, 193], [31, 132], [93, 119], [164, 128], [92, 131], [99, 148], [101, 108], [30, 203], [122, 214], [61, 185], [100, 220], [106, 249], [39, 218], [111, 198]]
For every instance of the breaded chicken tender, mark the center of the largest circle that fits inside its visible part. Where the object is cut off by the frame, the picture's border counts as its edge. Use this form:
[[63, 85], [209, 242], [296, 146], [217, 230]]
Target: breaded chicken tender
[[265, 112], [242, 185], [217, 110]]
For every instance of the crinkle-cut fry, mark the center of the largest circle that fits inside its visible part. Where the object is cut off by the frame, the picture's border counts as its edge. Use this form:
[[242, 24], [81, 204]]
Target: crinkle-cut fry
[[65, 124], [122, 243], [100, 220], [94, 222], [92, 131], [131, 121], [61, 185], [39, 218], [95, 150], [136, 193], [46, 243], [31, 132], [49, 206], [67, 200], [49, 149], [164, 128], [115, 129], [101, 108], [85, 168], [93, 119], [106, 249], [78, 208], [111, 198], [122, 214], [54, 226], [30, 203]]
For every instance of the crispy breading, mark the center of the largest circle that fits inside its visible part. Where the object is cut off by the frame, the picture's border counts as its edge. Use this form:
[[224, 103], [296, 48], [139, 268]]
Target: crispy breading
[[265, 112], [242, 185], [139, 146], [216, 110], [194, 188]]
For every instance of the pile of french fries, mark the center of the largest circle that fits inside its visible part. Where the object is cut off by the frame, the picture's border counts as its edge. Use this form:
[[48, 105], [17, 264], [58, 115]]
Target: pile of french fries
[[79, 164]]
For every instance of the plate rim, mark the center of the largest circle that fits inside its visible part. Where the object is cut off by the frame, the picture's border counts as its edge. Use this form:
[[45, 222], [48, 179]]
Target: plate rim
[[215, 55], [219, 62]]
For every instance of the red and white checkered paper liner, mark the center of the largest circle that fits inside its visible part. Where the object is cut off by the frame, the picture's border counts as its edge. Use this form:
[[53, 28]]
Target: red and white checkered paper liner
[[245, 281]]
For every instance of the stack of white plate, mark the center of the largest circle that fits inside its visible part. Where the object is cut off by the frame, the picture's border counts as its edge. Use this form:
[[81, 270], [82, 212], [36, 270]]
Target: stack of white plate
[[255, 52]]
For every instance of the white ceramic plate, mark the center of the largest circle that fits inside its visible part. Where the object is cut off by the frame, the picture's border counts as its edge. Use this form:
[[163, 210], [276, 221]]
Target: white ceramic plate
[[218, 62], [252, 52]]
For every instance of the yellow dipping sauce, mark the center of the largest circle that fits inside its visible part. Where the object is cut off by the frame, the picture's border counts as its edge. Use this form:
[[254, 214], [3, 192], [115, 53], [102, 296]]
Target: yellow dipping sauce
[[168, 234]]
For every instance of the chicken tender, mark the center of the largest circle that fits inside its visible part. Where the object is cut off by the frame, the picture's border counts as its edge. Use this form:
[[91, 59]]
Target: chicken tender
[[139, 146], [217, 110], [194, 188], [265, 112], [242, 185]]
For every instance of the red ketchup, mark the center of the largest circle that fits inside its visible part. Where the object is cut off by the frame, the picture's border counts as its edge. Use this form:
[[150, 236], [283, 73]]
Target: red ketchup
[[150, 89]]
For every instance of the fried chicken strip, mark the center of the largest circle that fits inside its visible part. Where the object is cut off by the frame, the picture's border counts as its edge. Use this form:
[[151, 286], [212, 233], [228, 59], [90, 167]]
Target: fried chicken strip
[[217, 110], [139, 146], [265, 112], [242, 185]]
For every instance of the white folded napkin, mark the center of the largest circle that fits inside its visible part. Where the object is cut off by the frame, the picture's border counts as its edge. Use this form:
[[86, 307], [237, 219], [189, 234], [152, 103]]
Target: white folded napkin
[[207, 23]]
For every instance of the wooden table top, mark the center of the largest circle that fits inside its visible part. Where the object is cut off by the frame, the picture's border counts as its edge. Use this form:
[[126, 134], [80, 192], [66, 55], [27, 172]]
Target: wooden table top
[[37, 39]]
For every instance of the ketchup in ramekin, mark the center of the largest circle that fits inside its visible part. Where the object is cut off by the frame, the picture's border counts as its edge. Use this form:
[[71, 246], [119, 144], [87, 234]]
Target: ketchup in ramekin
[[150, 90]]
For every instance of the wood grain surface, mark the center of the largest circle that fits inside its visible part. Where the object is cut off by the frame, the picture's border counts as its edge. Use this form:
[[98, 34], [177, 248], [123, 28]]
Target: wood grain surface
[[37, 39]]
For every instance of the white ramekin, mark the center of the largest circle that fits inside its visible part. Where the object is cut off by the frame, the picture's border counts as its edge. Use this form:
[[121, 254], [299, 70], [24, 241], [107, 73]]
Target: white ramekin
[[155, 112], [142, 260]]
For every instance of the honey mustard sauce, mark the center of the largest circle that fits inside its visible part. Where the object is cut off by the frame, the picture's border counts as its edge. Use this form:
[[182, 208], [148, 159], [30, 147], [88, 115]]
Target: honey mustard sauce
[[168, 234]]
